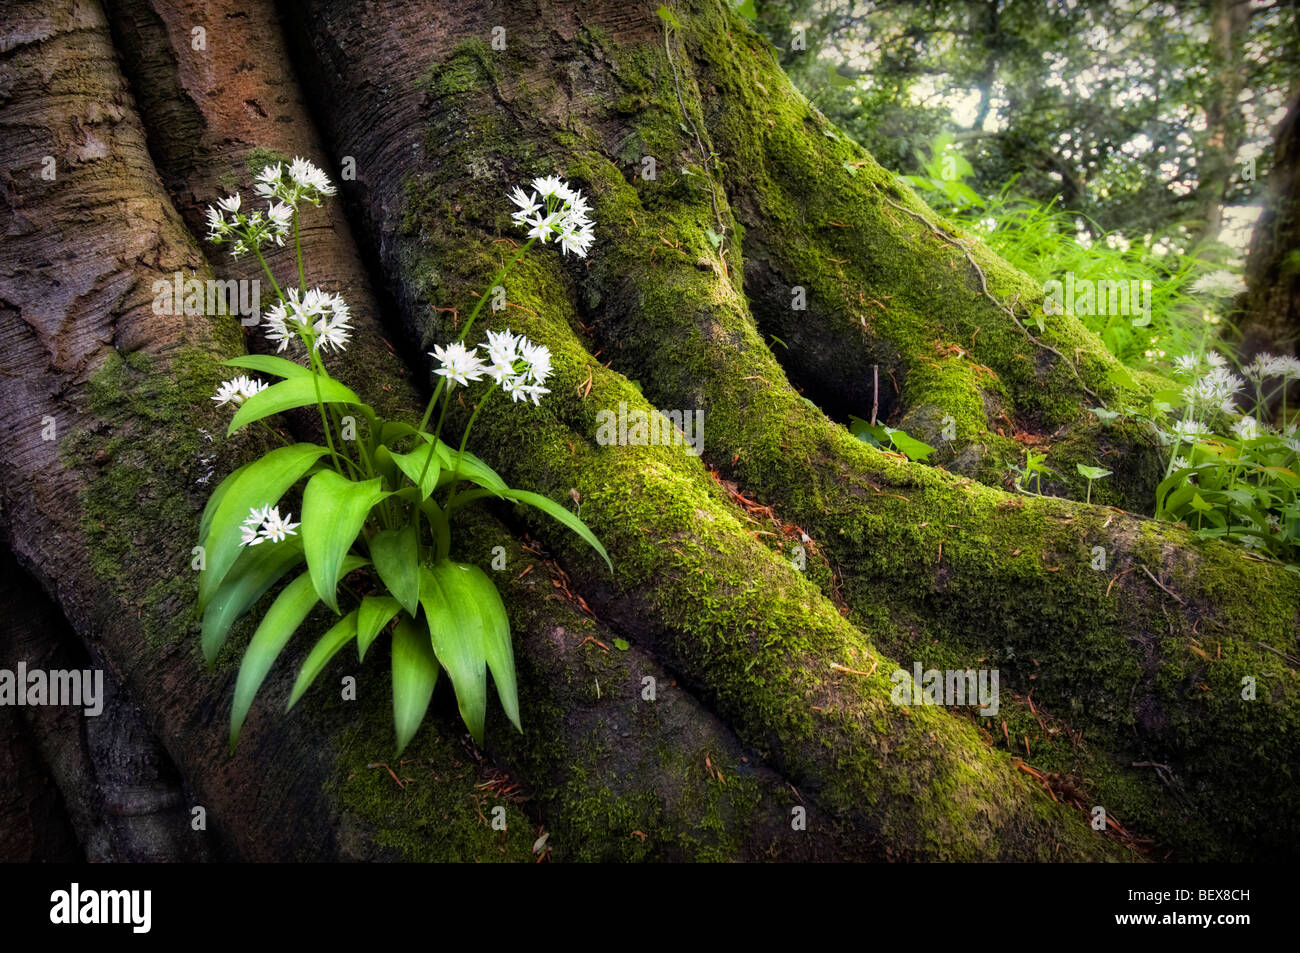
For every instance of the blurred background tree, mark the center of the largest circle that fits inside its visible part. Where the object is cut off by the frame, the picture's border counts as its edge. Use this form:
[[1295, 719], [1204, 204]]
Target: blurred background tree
[[1152, 124]]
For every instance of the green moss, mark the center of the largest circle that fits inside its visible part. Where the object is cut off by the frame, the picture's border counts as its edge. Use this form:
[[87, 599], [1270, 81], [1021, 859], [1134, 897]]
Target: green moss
[[149, 463], [755, 635], [258, 158]]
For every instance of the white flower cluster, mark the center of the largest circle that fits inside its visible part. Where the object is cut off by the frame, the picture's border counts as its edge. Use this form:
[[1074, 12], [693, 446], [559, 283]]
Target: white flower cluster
[[302, 181], [284, 188], [554, 210], [517, 364], [265, 525], [247, 230], [1269, 365], [1219, 284], [322, 318], [1217, 389], [237, 390]]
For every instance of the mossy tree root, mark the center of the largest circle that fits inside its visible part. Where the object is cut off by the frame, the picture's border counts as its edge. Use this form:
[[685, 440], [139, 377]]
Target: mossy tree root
[[947, 554]]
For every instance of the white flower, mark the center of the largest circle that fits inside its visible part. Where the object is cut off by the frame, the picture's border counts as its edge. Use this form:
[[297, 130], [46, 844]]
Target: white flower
[[516, 387], [552, 187], [502, 346], [1247, 428], [276, 529], [1189, 431], [266, 181], [230, 203], [555, 210], [310, 178], [1269, 365], [527, 202], [1186, 364], [1215, 389], [538, 358], [237, 390], [1180, 463], [277, 328], [280, 217], [458, 364], [301, 181], [535, 391], [1215, 359], [543, 226], [576, 241], [331, 329], [265, 525], [1219, 284]]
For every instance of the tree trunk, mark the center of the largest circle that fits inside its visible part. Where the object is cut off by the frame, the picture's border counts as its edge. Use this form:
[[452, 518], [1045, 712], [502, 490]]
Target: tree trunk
[[1122, 688], [1271, 322]]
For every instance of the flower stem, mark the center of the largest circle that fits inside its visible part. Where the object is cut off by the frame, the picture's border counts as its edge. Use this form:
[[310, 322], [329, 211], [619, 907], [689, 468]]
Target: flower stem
[[455, 470], [297, 244], [500, 275]]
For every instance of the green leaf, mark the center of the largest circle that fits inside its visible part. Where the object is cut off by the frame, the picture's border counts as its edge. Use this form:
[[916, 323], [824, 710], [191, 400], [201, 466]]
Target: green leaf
[[455, 629], [396, 555], [261, 483], [1091, 473], [668, 16], [471, 468], [558, 512], [334, 509], [375, 613], [294, 392], [279, 624], [412, 464], [385, 465], [215, 499], [1199, 504], [1170, 397], [396, 430], [714, 238], [256, 570], [849, 167], [339, 635], [415, 674], [913, 448], [494, 634], [269, 364], [622, 645]]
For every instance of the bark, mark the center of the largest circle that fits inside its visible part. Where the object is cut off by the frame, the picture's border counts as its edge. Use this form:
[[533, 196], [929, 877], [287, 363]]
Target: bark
[[1271, 322], [1229, 22], [774, 688]]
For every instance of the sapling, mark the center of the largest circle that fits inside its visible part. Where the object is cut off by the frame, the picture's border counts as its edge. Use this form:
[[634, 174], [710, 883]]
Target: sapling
[[1091, 473]]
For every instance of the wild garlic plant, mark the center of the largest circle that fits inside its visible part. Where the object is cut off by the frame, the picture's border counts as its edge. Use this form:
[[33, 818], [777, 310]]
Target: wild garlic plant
[[1228, 474], [374, 537]]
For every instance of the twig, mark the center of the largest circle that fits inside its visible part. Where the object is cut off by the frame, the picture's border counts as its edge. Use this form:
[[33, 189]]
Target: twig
[[875, 392], [1292, 660], [944, 236], [1163, 586]]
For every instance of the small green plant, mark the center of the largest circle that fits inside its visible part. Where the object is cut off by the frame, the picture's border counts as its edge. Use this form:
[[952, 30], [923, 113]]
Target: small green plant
[[1228, 475], [878, 435], [1090, 474], [380, 497], [1033, 469]]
